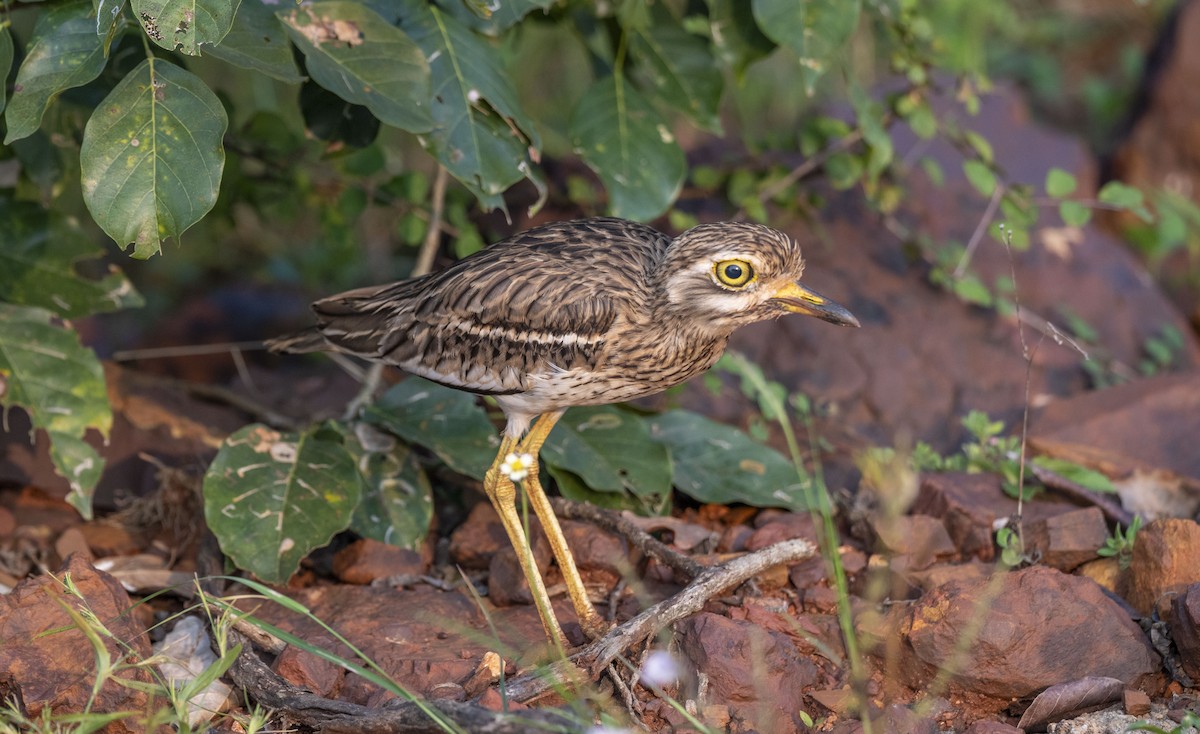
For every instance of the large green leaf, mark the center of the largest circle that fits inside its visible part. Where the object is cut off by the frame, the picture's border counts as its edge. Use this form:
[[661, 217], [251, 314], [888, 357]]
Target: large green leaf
[[182, 25], [258, 42], [610, 450], [481, 134], [360, 57], [64, 52], [6, 58], [397, 506], [45, 370], [817, 30], [446, 421], [37, 265], [681, 67], [271, 498], [624, 140], [718, 463], [152, 156]]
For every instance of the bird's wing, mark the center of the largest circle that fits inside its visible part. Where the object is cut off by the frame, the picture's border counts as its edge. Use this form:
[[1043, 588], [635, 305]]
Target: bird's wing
[[541, 302]]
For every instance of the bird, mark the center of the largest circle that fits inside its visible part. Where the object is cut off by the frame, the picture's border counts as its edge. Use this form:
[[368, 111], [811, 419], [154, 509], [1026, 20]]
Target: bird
[[584, 312]]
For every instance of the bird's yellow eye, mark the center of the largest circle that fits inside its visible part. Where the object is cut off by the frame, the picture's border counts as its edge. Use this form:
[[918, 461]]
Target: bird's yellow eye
[[733, 273]]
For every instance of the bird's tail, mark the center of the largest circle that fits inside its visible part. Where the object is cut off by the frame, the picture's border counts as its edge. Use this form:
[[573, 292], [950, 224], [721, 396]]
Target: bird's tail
[[300, 342]]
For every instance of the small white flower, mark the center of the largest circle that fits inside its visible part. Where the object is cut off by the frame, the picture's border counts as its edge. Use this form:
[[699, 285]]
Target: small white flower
[[516, 466], [659, 669]]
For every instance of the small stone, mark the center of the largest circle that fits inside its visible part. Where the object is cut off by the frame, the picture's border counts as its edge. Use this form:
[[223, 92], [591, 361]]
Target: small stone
[[72, 541], [473, 543], [1185, 629], [779, 528], [1166, 560], [303, 669], [366, 560], [1137, 703], [1065, 541], [447, 692], [920, 537]]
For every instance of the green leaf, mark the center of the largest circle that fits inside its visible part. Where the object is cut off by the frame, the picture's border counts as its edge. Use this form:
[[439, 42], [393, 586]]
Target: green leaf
[[354, 53], [64, 52], [397, 507], [718, 463], [1074, 214], [183, 25], [610, 450], [736, 37], [980, 176], [981, 146], [446, 421], [1081, 475], [972, 290], [258, 42], [271, 498], [493, 18], [152, 158], [1059, 183], [37, 265], [817, 30], [680, 67], [623, 139], [475, 109], [6, 59], [1117, 194], [45, 370]]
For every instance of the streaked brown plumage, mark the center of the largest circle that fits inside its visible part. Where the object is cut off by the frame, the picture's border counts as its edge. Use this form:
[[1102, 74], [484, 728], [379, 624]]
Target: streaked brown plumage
[[587, 312]]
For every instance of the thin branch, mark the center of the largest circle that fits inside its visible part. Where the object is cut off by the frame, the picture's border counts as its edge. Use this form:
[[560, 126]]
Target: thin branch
[[980, 228]]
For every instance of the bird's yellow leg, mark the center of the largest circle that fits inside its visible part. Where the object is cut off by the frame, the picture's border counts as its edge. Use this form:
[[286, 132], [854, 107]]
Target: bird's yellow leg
[[593, 624], [503, 494]]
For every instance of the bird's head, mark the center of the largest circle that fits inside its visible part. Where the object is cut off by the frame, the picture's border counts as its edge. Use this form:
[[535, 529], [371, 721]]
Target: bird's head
[[732, 273]]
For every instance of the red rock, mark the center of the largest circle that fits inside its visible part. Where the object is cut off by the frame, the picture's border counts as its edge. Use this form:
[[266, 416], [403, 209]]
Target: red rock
[[8, 523], [759, 674], [992, 727], [781, 527], [1104, 571], [506, 578], [733, 539], [1023, 645], [107, 539], [1136, 703], [302, 668], [417, 636], [1185, 629], [71, 541], [920, 537], [473, 543], [595, 549], [1068, 540], [365, 560], [1166, 560], [50, 661]]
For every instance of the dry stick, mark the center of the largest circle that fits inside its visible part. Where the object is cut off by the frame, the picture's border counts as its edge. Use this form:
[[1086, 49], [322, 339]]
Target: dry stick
[[980, 228], [685, 565], [597, 656]]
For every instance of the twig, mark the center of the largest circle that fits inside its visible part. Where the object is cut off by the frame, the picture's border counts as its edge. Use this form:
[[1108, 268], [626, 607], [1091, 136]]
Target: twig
[[244, 403], [686, 566], [980, 228], [597, 656], [808, 166], [129, 355]]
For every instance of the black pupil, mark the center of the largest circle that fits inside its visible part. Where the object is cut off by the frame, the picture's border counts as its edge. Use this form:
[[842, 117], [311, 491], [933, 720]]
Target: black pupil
[[733, 272]]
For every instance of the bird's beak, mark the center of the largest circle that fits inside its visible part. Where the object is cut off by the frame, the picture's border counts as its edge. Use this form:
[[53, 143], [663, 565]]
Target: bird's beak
[[796, 298]]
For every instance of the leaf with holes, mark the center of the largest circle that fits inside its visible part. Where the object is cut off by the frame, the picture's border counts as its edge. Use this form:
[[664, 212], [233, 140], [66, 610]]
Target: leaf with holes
[[681, 68], [258, 42], [64, 52], [152, 158], [630, 147], [37, 265], [446, 421], [720, 464], [397, 506], [272, 498], [609, 449], [60, 384], [354, 53], [817, 30], [481, 134], [183, 25]]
